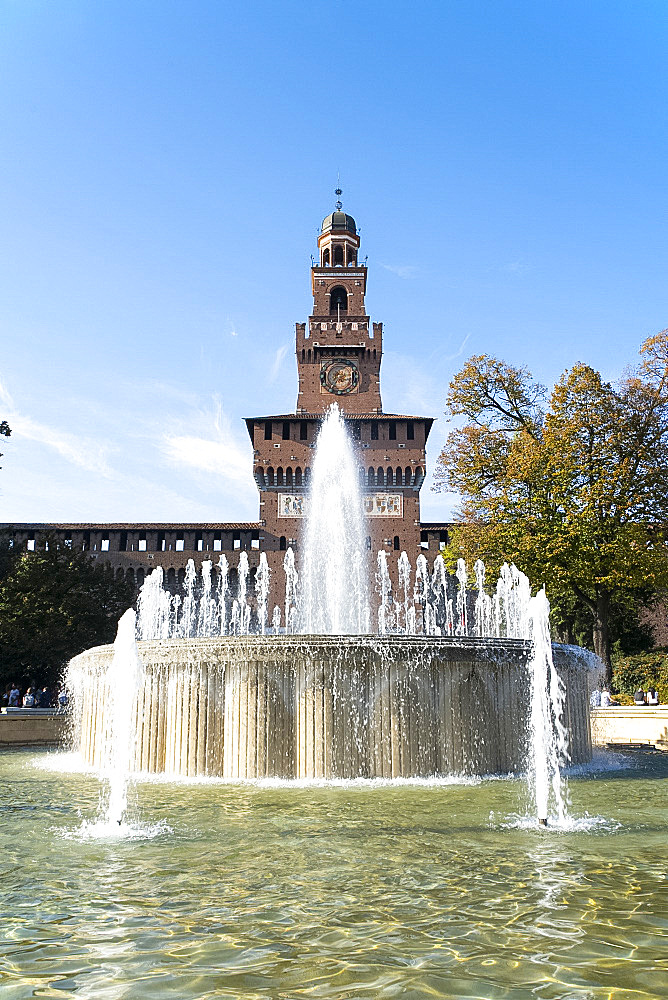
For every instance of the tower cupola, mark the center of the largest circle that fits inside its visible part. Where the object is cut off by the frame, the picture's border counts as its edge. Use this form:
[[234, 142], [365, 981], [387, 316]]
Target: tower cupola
[[338, 241]]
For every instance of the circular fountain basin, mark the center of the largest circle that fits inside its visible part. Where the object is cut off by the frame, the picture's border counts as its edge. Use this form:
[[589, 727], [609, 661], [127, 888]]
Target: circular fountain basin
[[329, 706]]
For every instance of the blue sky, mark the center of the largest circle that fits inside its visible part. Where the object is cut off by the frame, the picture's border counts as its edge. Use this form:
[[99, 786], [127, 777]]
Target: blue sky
[[166, 166]]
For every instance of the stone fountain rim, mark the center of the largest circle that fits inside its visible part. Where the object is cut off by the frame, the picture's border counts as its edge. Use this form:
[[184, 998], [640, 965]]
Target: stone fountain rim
[[336, 641]]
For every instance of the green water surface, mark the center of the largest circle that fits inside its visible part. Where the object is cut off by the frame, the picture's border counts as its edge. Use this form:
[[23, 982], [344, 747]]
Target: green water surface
[[351, 891]]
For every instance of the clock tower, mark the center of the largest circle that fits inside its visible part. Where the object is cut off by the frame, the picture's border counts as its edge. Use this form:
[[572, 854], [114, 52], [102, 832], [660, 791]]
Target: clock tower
[[339, 353]]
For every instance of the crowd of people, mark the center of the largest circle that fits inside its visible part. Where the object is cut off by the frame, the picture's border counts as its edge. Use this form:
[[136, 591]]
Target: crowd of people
[[34, 696]]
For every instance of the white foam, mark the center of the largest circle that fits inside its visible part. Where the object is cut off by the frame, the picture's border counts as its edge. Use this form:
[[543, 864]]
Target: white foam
[[102, 830], [561, 824]]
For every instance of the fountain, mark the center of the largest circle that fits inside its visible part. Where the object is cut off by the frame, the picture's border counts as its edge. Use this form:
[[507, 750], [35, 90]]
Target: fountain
[[444, 685]]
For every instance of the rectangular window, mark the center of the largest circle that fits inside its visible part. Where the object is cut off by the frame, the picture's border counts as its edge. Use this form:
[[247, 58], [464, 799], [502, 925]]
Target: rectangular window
[[68, 543], [410, 431], [286, 430], [303, 430], [180, 542], [30, 545], [356, 430], [200, 544], [104, 545], [267, 430], [218, 545], [374, 431], [141, 545], [393, 430], [236, 542]]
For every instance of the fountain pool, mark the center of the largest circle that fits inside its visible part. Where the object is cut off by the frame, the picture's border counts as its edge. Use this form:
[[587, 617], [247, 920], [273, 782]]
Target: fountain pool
[[264, 890], [440, 688]]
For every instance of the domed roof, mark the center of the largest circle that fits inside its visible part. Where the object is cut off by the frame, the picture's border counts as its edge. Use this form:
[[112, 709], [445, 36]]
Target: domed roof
[[339, 220]]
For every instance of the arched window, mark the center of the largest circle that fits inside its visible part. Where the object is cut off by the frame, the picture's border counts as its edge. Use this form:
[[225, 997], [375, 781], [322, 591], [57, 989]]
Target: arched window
[[282, 543], [338, 300], [338, 254], [380, 478], [390, 477], [259, 474], [171, 577], [270, 476], [371, 478], [279, 476], [396, 543], [182, 575], [325, 257], [140, 576], [419, 473], [298, 476], [397, 476], [288, 477], [408, 476], [130, 575], [307, 475], [352, 253]]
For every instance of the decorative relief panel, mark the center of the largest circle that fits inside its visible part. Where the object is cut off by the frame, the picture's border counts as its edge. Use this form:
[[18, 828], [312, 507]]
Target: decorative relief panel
[[374, 505], [292, 505], [384, 505]]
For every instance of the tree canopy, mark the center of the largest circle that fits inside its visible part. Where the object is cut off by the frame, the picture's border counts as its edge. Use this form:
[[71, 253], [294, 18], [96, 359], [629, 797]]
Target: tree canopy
[[5, 431], [571, 486], [54, 603]]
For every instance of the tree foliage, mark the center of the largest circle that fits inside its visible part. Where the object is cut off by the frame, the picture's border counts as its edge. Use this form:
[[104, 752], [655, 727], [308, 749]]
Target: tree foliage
[[573, 488], [5, 431], [54, 603]]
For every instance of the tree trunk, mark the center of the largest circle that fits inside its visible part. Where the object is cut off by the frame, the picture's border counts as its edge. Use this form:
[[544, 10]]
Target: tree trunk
[[602, 646]]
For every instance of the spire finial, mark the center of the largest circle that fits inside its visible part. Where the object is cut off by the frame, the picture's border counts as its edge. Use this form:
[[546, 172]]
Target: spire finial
[[338, 194]]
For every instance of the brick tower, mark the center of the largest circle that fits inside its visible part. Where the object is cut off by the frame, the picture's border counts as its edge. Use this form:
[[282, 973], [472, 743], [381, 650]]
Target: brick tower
[[339, 353]]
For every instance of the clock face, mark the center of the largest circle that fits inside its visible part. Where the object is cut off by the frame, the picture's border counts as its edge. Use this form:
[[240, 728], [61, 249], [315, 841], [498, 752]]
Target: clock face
[[339, 377]]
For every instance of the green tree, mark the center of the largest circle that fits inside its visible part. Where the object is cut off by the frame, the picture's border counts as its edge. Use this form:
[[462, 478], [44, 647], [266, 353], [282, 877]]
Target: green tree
[[573, 489], [54, 603], [5, 431]]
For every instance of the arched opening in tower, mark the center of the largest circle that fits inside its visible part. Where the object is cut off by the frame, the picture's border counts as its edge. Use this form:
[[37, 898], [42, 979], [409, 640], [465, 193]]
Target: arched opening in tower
[[338, 300]]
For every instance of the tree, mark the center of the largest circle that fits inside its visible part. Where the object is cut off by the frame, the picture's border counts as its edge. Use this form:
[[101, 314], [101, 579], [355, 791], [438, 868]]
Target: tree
[[5, 431], [573, 489], [54, 603]]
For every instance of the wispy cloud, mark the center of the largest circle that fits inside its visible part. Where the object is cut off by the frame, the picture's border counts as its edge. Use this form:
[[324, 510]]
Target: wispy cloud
[[5, 397], [278, 361], [216, 450], [457, 354], [86, 452], [402, 270]]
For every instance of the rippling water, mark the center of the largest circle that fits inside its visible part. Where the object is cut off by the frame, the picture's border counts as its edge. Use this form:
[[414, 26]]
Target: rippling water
[[351, 891]]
